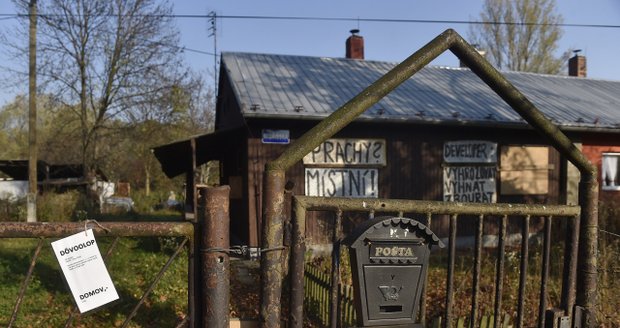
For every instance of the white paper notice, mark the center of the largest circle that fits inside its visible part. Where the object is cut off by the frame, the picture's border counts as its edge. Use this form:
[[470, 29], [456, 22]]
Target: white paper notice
[[85, 271]]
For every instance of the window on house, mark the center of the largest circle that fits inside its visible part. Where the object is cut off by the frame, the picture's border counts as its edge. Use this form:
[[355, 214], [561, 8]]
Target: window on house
[[524, 170], [610, 178]]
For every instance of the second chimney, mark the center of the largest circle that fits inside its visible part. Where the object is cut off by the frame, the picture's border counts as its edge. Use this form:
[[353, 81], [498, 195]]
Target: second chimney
[[577, 65], [355, 46]]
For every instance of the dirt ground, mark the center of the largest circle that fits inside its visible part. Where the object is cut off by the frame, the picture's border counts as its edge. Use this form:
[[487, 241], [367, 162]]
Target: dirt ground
[[244, 288]]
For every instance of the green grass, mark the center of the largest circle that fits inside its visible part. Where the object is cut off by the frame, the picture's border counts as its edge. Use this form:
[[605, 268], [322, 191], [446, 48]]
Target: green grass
[[133, 265]]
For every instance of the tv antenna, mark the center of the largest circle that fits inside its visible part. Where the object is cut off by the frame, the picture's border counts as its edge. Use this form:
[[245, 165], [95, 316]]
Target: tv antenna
[[213, 32]]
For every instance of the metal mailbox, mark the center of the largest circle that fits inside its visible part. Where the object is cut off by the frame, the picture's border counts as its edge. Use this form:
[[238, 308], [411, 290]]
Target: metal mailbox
[[389, 261]]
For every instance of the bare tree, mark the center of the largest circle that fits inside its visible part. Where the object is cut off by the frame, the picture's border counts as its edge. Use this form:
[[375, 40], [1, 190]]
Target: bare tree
[[201, 105], [186, 108], [521, 35], [102, 58]]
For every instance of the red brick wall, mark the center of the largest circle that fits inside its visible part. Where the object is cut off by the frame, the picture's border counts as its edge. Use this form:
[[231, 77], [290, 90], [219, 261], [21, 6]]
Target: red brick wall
[[593, 151]]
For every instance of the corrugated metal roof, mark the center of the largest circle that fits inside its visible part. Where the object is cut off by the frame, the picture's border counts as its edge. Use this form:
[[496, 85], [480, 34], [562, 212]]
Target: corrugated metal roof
[[313, 87]]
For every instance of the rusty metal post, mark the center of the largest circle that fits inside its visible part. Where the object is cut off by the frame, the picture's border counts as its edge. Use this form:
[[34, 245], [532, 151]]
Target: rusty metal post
[[587, 262], [271, 252], [194, 274], [215, 261], [119, 229], [450, 275], [296, 267], [544, 275], [499, 278], [569, 277], [335, 279], [525, 250], [193, 283]]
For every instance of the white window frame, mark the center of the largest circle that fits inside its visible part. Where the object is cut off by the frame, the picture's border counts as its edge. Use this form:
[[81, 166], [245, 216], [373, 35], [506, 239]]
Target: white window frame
[[606, 171]]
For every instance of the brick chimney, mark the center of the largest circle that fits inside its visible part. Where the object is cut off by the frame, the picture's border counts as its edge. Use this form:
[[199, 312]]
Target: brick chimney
[[355, 46], [577, 65]]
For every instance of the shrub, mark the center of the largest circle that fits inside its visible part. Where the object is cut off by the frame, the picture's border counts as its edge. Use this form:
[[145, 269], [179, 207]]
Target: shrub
[[57, 207], [51, 207], [13, 210], [608, 264]]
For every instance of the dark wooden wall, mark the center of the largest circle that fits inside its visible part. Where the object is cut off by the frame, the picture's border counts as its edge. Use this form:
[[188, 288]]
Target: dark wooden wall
[[413, 171]]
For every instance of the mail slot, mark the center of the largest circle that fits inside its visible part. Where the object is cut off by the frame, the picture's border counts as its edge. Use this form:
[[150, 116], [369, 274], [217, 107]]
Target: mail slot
[[389, 261]]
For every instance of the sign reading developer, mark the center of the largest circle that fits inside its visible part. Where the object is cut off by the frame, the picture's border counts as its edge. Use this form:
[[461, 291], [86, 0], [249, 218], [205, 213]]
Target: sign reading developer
[[470, 151], [84, 270]]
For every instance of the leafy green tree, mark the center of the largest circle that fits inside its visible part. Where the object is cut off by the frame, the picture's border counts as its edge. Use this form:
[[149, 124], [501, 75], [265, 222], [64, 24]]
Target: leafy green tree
[[521, 35], [14, 129]]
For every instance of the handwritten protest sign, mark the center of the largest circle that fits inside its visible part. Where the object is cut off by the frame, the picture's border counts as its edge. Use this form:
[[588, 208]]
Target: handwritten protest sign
[[341, 182], [469, 174], [469, 151], [336, 152], [474, 184]]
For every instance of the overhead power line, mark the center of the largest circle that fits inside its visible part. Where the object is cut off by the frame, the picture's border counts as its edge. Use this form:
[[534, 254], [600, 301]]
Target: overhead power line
[[352, 19], [213, 17], [417, 21], [182, 48]]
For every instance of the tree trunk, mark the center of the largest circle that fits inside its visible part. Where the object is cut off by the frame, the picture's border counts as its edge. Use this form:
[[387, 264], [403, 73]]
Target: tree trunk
[[32, 117], [147, 180]]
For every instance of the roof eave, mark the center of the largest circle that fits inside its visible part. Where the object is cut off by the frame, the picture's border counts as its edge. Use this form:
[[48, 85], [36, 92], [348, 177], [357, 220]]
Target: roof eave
[[519, 124], [401, 120]]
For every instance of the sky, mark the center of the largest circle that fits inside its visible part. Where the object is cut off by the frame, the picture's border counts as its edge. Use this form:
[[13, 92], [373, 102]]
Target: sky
[[384, 41]]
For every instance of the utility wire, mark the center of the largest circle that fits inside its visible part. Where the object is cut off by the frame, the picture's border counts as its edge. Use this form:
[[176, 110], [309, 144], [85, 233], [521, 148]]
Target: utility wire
[[182, 48], [609, 233], [353, 19], [3, 17], [340, 19], [422, 21]]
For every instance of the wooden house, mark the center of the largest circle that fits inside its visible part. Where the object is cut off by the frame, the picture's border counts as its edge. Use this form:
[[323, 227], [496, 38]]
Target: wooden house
[[442, 135]]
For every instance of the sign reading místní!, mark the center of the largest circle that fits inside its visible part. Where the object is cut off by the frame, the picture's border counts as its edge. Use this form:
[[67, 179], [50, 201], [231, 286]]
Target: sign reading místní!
[[342, 182]]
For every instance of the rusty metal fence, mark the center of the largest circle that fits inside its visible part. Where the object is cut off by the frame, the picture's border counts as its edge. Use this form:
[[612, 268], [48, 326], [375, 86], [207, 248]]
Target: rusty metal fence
[[566, 216], [204, 240], [46, 231]]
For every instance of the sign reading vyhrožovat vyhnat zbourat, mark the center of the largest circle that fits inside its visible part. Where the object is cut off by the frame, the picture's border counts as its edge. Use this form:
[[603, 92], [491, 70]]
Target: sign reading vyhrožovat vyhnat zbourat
[[469, 171]]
